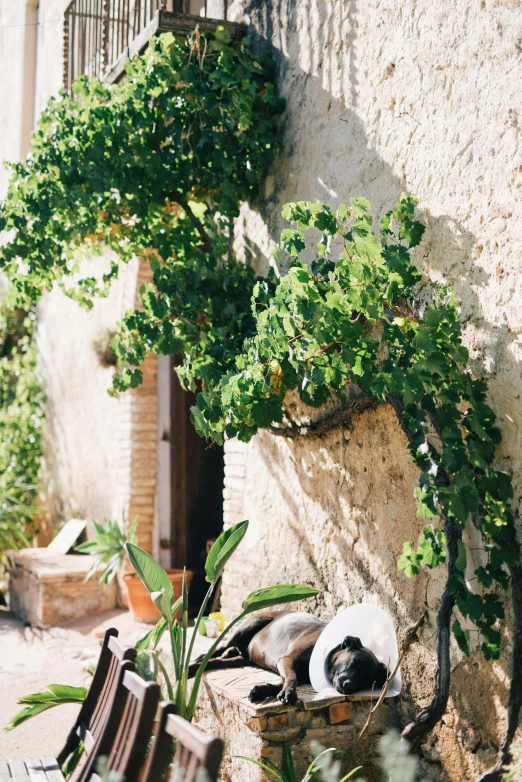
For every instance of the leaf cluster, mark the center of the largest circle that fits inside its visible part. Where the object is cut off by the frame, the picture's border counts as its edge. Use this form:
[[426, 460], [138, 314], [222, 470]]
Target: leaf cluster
[[352, 319], [21, 421], [157, 165], [108, 547]]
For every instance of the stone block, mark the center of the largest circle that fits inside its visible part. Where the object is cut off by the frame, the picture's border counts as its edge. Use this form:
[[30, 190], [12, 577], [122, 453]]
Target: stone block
[[48, 589], [340, 712], [282, 736], [279, 721]]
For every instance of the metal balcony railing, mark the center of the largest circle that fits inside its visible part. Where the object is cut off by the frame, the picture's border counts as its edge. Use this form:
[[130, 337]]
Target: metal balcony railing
[[99, 35]]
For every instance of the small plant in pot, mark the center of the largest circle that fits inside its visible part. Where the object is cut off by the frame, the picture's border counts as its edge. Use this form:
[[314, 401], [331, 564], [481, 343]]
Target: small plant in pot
[[108, 548], [139, 599]]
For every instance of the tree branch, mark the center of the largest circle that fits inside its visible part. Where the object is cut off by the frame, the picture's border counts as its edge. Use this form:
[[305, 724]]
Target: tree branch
[[206, 241], [428, 718], [357, 405]]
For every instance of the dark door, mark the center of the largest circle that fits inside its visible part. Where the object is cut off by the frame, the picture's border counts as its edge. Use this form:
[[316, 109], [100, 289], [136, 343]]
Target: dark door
[[197, 473]]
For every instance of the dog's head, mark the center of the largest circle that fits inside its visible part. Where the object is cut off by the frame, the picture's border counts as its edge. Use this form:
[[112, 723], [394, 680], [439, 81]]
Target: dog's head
[[352, 668]]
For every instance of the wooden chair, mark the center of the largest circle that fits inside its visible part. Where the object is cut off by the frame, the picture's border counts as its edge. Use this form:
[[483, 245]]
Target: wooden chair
[[194, 751], [114, 661], [128, 731], [123, 742], [91, 721]]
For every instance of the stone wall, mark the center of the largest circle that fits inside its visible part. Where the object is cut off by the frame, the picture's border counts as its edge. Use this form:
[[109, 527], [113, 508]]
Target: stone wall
[[384, 97]]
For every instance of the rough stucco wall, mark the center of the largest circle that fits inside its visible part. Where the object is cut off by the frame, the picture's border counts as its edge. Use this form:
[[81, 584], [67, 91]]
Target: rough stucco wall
[[82, 455], [385, 97]]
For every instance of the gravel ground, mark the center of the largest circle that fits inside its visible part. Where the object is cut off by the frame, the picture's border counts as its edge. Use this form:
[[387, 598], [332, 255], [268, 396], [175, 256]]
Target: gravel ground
[[30, 659]]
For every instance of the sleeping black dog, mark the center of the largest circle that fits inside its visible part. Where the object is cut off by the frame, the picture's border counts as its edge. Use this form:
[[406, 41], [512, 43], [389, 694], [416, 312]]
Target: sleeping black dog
[[283, 641]]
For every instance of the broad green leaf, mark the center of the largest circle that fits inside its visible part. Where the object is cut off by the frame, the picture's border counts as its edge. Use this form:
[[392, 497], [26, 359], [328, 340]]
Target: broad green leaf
[[72, 761], [63, 691], [222, 550], [276, 595], [150, 572], [460, 562], [163, 603], [461, 637], [28, 712]]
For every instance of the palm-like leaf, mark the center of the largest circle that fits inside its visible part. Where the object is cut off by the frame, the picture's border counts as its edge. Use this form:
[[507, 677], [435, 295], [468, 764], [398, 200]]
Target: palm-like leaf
[[108, 547]]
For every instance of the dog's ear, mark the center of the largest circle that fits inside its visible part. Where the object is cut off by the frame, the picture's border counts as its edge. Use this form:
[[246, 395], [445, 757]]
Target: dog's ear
[[351, 643], [381, 675]]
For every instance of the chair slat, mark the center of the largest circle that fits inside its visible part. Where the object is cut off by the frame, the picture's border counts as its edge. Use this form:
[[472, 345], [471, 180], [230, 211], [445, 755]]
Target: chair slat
[[135, 728], [18, 770], [35, 769], [92, 717], [194, 750], [120, 652], [51, 768], [5, 774]]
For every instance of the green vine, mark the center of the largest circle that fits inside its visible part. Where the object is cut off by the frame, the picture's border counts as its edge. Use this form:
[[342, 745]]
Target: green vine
[[157, 168], [21, 421]]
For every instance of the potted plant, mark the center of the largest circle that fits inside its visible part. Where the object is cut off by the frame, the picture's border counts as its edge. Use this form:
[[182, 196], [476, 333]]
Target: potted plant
[[140, 601], [109, 548], [159, 585]]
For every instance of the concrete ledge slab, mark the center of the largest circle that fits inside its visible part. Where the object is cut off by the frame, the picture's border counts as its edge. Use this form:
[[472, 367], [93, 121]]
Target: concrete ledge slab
[[46, 588]]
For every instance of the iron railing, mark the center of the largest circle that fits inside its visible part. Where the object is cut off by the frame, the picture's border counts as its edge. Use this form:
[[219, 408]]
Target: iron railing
[[98, 33]]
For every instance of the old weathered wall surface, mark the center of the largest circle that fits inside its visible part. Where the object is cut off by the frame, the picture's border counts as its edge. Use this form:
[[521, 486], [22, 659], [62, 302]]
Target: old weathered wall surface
[[384, 97]]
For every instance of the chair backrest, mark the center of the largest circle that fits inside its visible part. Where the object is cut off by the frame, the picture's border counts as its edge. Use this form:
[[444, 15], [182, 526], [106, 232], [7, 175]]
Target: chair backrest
[[128, 730], [92, 718], [196, 756]]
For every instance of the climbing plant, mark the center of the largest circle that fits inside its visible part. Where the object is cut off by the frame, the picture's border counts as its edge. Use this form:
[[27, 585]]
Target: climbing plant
[[157, 168], [21, 420]]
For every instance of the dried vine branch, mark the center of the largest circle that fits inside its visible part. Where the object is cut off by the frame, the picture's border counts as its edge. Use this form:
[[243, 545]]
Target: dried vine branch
[[428, 718], [357, 405], [410, 636], [515, 691]]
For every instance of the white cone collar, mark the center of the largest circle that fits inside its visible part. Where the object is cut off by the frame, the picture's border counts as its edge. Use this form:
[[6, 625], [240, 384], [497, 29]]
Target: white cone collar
[[374, 627]]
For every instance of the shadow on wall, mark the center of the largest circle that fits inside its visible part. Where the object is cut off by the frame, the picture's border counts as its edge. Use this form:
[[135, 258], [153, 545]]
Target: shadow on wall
[[327, 156]]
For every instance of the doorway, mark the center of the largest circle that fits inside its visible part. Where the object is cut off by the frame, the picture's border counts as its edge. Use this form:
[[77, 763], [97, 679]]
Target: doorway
[[195, 487]]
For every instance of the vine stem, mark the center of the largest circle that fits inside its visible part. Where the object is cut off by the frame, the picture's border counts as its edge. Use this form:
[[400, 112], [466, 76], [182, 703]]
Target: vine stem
[[206, 241], [494, 773], [428, 718], [410, 636], [358, 404]]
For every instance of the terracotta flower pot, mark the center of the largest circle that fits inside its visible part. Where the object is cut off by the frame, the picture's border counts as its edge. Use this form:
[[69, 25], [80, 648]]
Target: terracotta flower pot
[[139, 599]]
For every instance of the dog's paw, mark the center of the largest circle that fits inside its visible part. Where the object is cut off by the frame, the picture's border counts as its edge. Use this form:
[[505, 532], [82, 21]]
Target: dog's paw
[[262, 691], [287, 696]]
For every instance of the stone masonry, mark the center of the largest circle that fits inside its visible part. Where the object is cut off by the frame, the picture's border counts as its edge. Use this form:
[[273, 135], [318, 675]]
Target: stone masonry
[[259, 731]]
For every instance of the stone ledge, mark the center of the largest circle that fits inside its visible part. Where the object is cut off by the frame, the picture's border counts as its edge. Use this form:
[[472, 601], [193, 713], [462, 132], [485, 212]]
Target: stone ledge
[[47, 589], [259, 730]]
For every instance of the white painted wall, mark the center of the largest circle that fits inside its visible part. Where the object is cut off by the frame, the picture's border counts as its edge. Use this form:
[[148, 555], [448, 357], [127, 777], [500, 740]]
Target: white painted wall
[[80, 475]]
